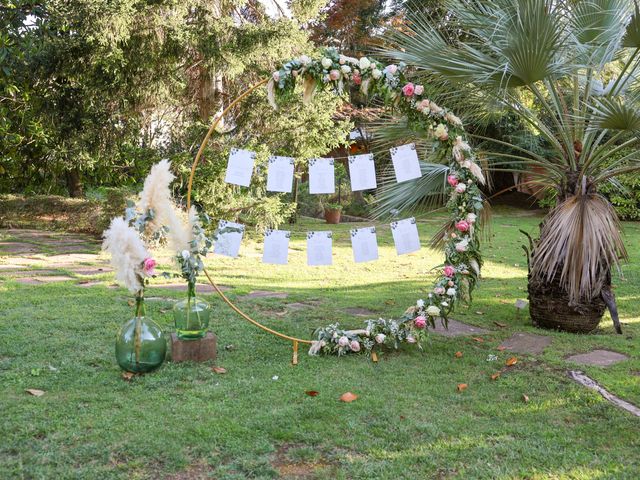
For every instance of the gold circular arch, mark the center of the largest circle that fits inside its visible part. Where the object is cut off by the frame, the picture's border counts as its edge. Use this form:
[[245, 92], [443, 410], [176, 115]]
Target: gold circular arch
[[295, 341]]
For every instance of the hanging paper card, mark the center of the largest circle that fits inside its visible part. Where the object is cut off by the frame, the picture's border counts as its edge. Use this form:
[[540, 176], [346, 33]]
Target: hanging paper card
[[240, 167], [229, 238], [280, 174], [405, 236], [364, 244], [405, 162], [362, 172], [322, 176], [319, 248], [276, 247]]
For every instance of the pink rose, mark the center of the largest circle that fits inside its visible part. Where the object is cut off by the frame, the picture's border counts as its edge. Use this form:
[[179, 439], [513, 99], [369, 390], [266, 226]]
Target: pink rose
[[355, 346], [408, 90], [452, 180], [357, 79], [148, 267], [449, 271], [438, 290], [419, 90], [334, 74], [461, 188], [450, 283], [343, 341], [392, 69], [462, 226], [423, 106], [420, 322]]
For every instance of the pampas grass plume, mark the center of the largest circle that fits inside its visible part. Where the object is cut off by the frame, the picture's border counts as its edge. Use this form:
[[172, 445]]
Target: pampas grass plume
[[127, 252]]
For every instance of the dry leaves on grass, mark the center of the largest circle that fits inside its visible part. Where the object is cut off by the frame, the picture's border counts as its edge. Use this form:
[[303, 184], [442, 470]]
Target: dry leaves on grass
[[458, 354], [35, 392], [127, 376], [219, 370], [478, 339], [525, 398], [462, 387], [501, 348], [312, 393], [495, 376], [501, 325], [511, 361], [348, 397]]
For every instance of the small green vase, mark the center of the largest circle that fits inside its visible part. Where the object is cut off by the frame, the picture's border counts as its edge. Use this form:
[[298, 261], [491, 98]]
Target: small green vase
[[191, 316], [140, 346]]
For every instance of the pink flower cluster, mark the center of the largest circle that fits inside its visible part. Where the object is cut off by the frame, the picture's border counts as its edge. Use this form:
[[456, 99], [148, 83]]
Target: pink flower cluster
[[149, 267]]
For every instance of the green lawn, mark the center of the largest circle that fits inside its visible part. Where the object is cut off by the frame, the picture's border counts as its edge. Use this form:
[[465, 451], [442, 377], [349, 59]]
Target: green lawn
[[409, 421]]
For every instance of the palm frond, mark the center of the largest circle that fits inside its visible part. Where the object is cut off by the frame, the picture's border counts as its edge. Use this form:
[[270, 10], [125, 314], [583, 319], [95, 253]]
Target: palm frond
[[580, 240], [615, 114], [632, 32]]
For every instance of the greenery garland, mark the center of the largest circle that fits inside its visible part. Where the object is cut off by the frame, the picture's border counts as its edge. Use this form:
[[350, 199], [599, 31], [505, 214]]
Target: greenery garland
[[461, 269]]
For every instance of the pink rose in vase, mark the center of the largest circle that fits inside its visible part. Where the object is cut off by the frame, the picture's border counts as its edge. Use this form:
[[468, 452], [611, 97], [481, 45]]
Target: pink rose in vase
[[149, 266]]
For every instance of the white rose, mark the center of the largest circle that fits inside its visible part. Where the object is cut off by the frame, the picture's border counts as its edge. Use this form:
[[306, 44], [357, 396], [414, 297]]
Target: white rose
[[444, 304], [376, 73], [304, 60], [392, 69], [451, 292], [342, 60], [343, 341], [345, 69], [380, 338], [364, 63], [327, 62], [185, 254], [420, 303], [276, 76], [441, 132], [433, 311], [471, 218], [462, 246], [461, 187], [411, 339], [419, 90]]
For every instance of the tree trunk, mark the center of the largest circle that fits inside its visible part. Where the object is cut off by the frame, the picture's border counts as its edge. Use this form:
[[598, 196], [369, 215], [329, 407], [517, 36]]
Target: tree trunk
[[74, 182]]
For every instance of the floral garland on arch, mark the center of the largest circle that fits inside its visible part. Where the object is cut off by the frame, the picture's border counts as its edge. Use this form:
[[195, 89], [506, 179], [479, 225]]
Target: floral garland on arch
[[461, 269]]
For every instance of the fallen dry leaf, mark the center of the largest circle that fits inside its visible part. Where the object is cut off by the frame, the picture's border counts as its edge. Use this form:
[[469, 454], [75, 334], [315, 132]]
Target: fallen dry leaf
[[35, 392], [479, 312], [511, 361], [131, 303], [391, 301], [458, 354], [501, 325], [348, 397], [525, 398], [495, 376], [220, 370], [312, 393], [462, 387], [501, 348], [478, 339], [505, 302], [127, 376]]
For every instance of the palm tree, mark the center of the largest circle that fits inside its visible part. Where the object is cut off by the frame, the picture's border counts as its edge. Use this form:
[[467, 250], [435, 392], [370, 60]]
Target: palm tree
[[569, 71]]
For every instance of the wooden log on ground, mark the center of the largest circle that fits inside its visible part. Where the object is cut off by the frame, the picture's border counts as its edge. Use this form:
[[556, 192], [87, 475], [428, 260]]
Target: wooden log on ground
[[197, 350]]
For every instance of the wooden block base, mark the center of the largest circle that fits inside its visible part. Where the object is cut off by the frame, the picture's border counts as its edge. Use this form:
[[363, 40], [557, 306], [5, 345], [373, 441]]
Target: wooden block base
[[197, 350]]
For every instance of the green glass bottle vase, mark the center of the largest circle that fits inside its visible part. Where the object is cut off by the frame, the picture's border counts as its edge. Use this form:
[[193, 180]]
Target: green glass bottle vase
[[191, 316], [140, 345]]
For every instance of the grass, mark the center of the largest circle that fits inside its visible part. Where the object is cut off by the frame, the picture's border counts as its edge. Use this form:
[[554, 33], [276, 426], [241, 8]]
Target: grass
[[409, 421]]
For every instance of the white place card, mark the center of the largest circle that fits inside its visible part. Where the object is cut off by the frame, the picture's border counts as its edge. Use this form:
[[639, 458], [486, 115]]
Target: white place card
[[405, 162], [322, 175], [228, 243], [362, 172], [365, 244], [280, 174], [319, 248], [240, 167], [276, 247], [405, 236]]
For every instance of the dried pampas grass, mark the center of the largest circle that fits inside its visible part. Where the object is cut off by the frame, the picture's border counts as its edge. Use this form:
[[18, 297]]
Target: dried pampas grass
[[156, 196], [127, 252]]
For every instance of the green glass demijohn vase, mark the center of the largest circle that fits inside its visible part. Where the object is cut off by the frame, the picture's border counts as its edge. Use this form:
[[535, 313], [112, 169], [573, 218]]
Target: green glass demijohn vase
[[140, 346], [191, 316]]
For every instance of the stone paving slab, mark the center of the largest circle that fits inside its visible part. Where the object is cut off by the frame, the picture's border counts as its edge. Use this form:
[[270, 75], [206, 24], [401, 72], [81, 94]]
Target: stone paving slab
[[41, 280], [360, 312], [35, 273], [16, 247], [530, 343], [457, 329], [91, 271], [89, 284], [264, 294], [598, 358]]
